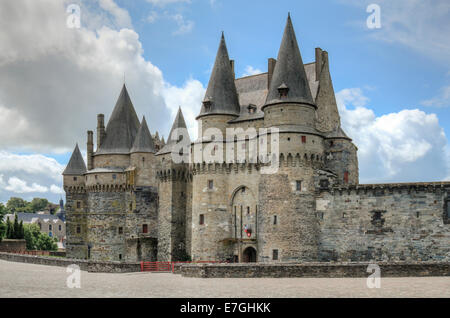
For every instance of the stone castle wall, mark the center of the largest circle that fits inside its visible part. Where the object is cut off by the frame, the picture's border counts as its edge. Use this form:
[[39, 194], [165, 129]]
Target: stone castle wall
[[384, 222]]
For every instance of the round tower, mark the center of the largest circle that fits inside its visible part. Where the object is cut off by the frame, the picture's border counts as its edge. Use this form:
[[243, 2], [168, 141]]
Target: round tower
[[288, 229]]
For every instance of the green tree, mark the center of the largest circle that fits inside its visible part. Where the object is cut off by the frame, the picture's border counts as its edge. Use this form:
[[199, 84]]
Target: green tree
[[21, 233], [16, 228], [16, 205], [9, 228], [2, 229], [3, 210], [36, 240], [39, 204]]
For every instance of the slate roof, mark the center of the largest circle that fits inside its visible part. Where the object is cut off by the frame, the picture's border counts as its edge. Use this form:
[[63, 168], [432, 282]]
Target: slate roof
[[143, 141], [122, 127], [337, 133], [221, 92], [76, 165], [33, 217], [289, 70], [178, 123]]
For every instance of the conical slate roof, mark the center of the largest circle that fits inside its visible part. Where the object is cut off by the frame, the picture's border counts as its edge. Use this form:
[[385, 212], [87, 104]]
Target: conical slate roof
[[327, 111], [178, 123], [143, 141], [221, 95], [122, 127], [338, 133], [76, 165], [289, 72]]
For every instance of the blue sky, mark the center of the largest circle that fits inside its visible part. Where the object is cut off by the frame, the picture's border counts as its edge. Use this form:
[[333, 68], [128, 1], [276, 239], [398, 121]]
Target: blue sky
[[392, 83]]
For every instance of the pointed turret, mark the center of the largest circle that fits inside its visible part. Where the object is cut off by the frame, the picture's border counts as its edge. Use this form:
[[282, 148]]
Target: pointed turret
[[221, 96], [122, 127], [143, 141], [327, 110], [178, 123], [76, 165], [289, 83]]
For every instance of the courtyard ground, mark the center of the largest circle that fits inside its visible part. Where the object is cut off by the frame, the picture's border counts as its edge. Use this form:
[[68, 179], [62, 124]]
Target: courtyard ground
[[29, 280]]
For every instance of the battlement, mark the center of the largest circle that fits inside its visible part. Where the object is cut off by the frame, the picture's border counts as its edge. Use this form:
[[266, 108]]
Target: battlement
[[389, 188]]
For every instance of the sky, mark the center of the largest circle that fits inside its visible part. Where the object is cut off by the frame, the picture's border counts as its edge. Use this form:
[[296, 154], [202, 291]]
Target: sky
[[392, 83]]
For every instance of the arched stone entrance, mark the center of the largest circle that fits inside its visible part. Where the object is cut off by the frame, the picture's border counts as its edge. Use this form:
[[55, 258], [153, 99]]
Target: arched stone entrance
[[249, 255]]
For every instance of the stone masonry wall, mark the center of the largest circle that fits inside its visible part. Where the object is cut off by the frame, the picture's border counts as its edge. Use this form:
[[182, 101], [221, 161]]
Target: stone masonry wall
[[384, 222]]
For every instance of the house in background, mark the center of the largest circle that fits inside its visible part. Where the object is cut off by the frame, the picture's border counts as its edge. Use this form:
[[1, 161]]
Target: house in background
[[54, 225]]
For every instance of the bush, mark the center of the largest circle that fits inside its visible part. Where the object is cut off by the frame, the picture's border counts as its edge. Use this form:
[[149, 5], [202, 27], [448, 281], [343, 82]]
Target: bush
[[37, 240]]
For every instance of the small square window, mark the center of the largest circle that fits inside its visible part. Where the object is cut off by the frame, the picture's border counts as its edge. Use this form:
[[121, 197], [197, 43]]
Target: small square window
[[74, 178], [202, 219], [210, 184], [120, 230], [78, 229], [114, 177], [275, 255], [298, 185]]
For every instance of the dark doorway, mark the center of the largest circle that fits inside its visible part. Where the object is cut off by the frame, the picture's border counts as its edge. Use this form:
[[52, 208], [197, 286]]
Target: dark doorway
[[249, 255]]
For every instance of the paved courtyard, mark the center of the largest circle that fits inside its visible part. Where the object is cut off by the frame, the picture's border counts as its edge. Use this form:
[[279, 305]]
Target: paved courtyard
[[28, 280]]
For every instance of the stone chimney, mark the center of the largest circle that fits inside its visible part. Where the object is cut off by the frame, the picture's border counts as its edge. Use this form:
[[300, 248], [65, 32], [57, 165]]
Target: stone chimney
[[100, 129], [270, 67], [90, 149]]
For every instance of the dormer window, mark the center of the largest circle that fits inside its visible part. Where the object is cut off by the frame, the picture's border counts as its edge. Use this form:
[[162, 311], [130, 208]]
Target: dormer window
[[251, 109], [283, 90], [207, 104]]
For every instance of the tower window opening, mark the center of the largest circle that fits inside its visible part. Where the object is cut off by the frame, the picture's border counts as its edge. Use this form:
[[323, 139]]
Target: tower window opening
[[49, 227], [96, 177], [120, 230], [210, 184], [289, 139], [275, 220], [144, 228], [74, 178], [417, 214], [275, 255], [202, 219], [114, 177], [120, 256], [248, 210], [346, 177], [298, 185], [78, 204], [303, 139], [78, 229], [59, 228]]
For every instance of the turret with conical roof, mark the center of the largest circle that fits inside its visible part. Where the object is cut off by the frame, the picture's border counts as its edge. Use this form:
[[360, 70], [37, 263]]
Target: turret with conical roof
[[76, 165], [143, 141], [221, 96], [178, 128], [289, 100], [289, 82], [327, 112], [122, 127]]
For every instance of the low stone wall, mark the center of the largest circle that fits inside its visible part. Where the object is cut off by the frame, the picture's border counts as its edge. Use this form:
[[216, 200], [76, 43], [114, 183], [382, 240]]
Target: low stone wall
[[317, 270], [10, 245], [90, 266]]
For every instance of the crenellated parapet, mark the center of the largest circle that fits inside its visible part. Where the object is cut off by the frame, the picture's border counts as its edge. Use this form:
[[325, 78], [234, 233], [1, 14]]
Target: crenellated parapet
[[80, 189], [389, 188], [174, 174]]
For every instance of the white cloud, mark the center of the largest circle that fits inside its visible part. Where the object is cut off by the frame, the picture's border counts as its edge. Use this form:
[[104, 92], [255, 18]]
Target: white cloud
[[56, 190], [409, 145], [184, 26], [54, 80], [250, 70], [17, 185], [152, 17], [417, 24], [121, 16], [189, 97], [442, 100], [162, 3]]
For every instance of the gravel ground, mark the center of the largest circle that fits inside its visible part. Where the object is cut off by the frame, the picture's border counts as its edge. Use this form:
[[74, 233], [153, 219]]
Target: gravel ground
[[29, 280]]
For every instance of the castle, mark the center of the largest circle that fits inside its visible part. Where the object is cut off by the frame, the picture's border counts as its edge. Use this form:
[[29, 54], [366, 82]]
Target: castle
[[135, 202]]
